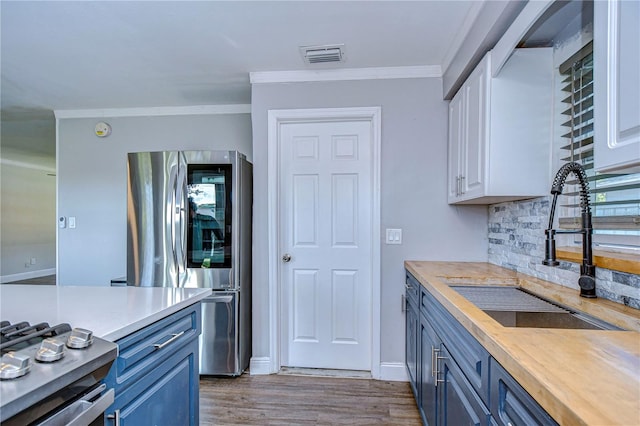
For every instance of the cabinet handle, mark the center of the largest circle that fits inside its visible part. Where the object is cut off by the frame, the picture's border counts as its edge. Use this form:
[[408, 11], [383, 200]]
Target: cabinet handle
[[175, 337], [438, 358], [462, 179], [115, 417], [457, 186], [434, 366], [403, 308]]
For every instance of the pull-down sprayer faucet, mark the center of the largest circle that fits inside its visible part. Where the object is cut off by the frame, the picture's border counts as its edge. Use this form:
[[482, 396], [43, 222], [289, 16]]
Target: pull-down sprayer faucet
[[587, 280]]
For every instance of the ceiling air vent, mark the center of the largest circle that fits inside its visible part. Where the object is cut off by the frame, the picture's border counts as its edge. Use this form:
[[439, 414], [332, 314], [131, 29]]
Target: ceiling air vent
[[323, 54]]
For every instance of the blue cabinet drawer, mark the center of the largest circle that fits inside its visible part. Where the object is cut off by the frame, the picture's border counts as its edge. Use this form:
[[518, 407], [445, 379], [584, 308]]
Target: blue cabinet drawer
[[142, 351], [511, 404], [472, 358], [413, 288]]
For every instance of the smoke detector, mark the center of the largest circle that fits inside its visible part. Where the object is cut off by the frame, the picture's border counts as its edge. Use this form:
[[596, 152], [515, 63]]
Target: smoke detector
[[323, 54]]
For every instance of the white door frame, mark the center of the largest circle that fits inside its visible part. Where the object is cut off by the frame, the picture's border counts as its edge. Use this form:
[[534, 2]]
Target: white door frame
[[276, 118]]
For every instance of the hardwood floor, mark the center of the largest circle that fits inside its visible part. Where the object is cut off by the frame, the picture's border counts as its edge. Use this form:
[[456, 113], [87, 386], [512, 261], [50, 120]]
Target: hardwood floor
[[298, 400]]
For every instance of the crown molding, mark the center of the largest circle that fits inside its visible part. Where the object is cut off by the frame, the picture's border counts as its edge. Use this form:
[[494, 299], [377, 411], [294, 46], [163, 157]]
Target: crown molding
[[461, 34], [153, 111], [424, 71]]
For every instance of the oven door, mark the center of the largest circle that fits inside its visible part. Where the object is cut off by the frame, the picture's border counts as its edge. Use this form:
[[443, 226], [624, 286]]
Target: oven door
[[88, 410]]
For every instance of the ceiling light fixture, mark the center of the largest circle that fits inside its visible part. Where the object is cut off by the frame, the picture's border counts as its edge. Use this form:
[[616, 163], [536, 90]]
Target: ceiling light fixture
[[323, 54]]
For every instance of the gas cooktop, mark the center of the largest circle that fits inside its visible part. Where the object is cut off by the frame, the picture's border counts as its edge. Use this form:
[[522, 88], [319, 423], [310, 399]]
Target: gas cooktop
[[39, 361]]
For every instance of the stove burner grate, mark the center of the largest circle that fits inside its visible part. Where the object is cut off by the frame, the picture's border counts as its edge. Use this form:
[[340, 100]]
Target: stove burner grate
[[20, 335]]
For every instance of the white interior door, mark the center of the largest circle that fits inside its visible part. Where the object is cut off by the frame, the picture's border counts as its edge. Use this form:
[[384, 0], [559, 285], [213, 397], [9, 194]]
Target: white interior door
[[325, 192]]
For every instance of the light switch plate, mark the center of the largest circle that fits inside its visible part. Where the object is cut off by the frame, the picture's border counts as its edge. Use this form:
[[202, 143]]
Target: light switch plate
[[394, 236]]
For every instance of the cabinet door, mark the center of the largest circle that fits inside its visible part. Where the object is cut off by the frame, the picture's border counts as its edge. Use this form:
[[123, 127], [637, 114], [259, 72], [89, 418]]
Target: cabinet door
[[155, 376], [616, 85], [511, 405], [429, 349], [169, 396], [411, 344], [459, 403], [456, 145], [476, 121], [470, 355]]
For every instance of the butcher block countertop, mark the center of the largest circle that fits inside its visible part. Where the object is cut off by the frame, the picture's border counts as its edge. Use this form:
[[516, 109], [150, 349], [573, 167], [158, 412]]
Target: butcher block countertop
[[589, 377]]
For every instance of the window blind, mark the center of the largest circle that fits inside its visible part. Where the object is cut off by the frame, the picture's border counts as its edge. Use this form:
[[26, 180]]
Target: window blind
[[615, 198]]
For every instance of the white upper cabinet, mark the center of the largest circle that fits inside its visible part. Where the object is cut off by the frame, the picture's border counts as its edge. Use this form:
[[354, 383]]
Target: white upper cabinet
[[500, 131], [617, 85], [456, 145], [467, 135]]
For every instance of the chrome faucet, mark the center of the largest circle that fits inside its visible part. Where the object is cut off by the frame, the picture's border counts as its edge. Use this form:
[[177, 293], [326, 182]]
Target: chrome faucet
[[587, 280]]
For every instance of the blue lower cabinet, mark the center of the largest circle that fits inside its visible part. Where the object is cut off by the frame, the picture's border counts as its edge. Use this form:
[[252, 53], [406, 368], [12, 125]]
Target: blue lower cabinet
[[156, 374], [165, 397], [511, 405], [411, 342], [430, 347], [460, 404], [458, 382]]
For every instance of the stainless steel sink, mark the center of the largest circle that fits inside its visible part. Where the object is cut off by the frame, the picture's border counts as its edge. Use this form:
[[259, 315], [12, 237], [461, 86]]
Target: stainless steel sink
[[513, 306], [548, 320]]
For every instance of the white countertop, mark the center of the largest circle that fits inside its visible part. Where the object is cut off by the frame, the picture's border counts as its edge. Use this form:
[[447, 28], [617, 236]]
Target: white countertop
[[110, 312]]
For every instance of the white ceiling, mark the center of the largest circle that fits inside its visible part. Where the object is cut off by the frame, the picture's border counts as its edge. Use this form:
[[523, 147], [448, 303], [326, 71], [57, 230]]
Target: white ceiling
[[124, 54], [100, 54]]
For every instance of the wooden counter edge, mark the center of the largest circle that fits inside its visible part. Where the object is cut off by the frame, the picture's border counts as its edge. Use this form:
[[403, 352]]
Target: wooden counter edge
[[616, 261]]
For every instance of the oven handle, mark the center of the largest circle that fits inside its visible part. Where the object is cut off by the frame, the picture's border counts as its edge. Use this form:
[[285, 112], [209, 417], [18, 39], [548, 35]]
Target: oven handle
[[93, 411]]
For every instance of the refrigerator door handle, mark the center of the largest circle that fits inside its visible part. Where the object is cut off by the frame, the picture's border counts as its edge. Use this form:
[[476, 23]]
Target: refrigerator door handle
[[173, 182], [180, 210]]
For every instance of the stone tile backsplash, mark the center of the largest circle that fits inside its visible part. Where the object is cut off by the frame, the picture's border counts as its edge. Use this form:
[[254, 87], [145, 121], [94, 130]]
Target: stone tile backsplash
[[516, 241]]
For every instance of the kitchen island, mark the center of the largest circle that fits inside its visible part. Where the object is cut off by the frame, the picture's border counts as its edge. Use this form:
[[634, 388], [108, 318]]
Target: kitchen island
[[110, 312], [577, 376], [155, 376]]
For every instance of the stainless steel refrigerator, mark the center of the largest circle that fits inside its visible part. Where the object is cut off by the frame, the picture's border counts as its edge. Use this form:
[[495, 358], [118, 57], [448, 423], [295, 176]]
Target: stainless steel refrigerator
[[189, 225]]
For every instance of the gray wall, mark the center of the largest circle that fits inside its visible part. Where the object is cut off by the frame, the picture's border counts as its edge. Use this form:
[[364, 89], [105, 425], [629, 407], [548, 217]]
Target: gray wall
[[28, 225], [92, 181], [413, 180], [27, 196]]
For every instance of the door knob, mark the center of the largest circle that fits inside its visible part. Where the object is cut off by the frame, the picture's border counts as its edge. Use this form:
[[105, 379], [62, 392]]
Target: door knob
[[286, 258]]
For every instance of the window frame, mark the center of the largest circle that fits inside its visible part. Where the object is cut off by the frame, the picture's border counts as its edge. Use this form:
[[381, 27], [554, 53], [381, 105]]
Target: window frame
[[568, 217]]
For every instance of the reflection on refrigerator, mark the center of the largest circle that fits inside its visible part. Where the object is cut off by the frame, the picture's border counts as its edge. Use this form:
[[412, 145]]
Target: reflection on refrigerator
[[189, 225]]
